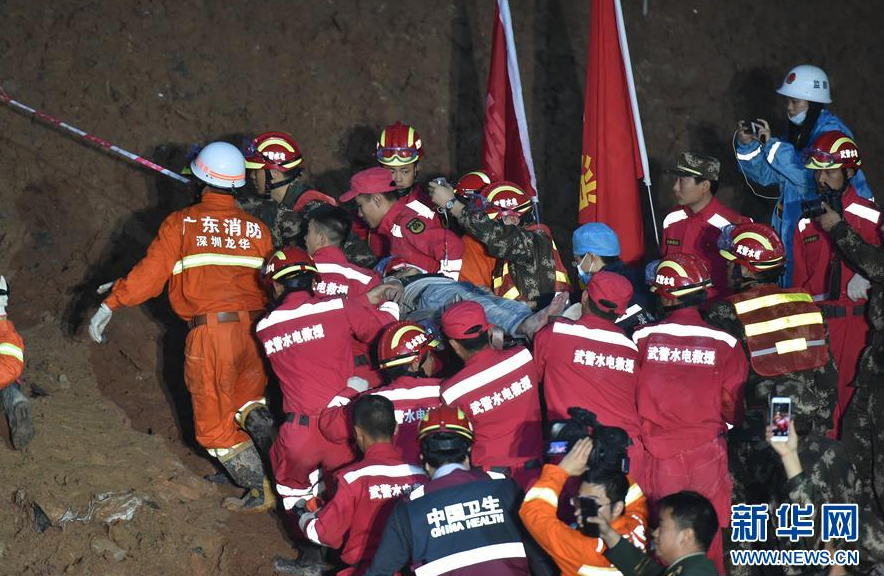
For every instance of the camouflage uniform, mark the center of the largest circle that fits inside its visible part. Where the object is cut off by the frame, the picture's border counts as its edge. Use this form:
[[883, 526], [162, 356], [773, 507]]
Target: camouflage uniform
[[753, 464], [863, 431], [286, 225], [529, 253]]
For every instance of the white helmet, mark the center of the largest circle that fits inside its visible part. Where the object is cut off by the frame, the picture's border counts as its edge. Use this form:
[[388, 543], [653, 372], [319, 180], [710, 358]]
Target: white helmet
[[221, 165], [806, 82], [4, 296]]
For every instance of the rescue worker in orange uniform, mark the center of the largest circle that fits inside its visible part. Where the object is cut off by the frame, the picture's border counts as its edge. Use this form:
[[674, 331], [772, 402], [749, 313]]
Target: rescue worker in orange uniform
[[408, 363], [528, 266], [694, 227], [591, 362], [500, 391], [210, 255], [15, 404], [367, 491], [690, 388], [840, 291], [620, 501], [413, 230]]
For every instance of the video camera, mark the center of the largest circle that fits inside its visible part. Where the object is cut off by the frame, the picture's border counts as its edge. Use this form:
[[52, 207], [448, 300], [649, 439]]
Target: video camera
[[814, 208], [609, 443]]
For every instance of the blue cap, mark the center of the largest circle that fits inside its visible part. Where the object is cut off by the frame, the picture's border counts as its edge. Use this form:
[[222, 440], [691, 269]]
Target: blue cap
[[596, 238]]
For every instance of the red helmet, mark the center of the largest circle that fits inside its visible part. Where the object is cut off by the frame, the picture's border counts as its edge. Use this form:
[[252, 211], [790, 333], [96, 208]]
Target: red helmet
[[445, 419], [475, 181], [679, 275], [287, 262], [504, 198], [273, 151], [755, 246], [403, 342], [399, 145], [832, 150]]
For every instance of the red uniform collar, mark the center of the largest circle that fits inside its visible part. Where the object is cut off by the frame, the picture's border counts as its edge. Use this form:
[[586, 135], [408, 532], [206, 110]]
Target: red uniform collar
[[330, 254], [382, 451], [294, 299], [689, 315], [391, 217], [707, 211], [592, 321], [481, 357]]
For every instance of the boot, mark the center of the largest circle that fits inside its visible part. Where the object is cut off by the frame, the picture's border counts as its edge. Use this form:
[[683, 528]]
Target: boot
[[255, 418], [244, 465], [310, 562], [18, 412]]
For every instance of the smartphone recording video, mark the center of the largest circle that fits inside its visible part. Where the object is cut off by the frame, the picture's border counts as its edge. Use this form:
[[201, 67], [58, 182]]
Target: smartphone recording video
[[589, 508], [780, 418]]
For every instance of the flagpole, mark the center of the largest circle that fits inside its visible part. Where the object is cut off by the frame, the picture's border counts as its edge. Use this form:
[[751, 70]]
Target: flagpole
[[512, 64], [633, 101]]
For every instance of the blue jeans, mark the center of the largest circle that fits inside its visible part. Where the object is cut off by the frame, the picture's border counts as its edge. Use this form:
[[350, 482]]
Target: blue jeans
[[436, 297]]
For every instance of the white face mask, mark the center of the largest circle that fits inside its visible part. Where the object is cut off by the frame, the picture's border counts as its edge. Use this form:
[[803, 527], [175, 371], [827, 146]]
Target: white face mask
[[798, 119]]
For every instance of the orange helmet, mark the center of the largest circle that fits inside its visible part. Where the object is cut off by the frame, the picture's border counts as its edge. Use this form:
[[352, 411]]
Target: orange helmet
[[505, 198], [399, 145], [832, 150], [755, 246], [273, 151], [449, 419], [286, 263], [679, 275], [475, 181], [403, 342]]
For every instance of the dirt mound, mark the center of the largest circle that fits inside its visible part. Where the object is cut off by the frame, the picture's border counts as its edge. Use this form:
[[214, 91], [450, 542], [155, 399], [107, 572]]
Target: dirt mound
[[153, 76]]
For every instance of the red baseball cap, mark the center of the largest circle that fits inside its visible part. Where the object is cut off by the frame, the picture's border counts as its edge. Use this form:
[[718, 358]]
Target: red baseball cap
[[310, 196], [464, 320], [610, 292], [375, 180]]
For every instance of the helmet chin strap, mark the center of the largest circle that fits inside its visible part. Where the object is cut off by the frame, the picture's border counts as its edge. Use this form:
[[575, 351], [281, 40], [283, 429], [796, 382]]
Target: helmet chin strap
[[270, 185]]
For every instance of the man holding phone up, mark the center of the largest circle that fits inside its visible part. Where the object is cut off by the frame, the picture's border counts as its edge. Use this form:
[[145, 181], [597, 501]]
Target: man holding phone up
[[606, 494]]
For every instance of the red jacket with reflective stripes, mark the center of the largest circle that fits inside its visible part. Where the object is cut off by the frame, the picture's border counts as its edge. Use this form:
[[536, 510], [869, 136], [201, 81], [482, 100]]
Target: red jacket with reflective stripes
[[12, 350], [690, 383], [589, 363], [308, 342], [499, 391], [210, 254], [411, 398], [417, 236], [813, 249], [338, 277], [365, 496], [697, 234]]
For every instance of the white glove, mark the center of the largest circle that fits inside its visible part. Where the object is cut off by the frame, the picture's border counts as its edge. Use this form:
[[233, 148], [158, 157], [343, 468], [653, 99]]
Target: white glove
[[858, 288], [357, 383], [99, 322], [105, 287], [4, 296], [573, 312], [305, 519]]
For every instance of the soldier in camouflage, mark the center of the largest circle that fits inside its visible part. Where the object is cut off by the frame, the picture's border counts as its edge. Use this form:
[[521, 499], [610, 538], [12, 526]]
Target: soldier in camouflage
[[275, 162], [528, 266], [778, 366], [863, 429]]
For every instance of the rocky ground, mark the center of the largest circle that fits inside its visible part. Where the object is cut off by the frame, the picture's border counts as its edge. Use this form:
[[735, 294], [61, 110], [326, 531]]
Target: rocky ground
[[113, 483]]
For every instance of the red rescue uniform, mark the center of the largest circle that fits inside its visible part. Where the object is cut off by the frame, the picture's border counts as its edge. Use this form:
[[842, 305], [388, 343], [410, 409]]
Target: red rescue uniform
[[338, 277], [366, 494], [591, 363], [820, 270], [210, 255], [499, 391], [411, 397], [697, 234], [416, 235], [690, 386], [12, 353], [308, 342]]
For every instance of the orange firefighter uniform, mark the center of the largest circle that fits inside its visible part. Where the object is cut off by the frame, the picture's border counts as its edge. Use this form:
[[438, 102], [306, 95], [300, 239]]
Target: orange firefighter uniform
[[210, 255], [12, 353]]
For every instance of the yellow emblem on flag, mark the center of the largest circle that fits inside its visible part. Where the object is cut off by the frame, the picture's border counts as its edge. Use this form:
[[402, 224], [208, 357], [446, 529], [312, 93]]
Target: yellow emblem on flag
[[587, 184]]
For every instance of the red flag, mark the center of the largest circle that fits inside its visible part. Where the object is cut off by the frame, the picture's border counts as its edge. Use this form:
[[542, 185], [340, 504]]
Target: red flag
[[612, 161], [506, 150]]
